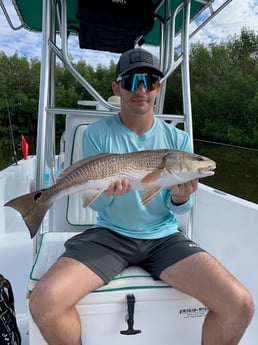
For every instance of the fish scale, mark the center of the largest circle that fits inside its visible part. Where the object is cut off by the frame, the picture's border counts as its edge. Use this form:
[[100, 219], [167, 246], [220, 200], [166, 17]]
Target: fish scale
[[143, 160]]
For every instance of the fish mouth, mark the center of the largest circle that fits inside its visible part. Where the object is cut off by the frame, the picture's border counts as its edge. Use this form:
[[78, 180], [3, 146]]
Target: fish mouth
[[208, 171]]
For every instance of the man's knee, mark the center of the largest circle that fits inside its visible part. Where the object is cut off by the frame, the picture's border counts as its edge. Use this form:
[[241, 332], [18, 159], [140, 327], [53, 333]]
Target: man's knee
[[245, 306], [35, 304], [41, 301]]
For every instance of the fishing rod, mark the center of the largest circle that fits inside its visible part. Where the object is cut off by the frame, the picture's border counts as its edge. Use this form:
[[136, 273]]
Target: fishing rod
[[14, 158]]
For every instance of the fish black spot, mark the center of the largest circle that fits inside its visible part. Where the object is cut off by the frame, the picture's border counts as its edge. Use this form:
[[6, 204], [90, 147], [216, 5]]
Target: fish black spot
[[37, 196]]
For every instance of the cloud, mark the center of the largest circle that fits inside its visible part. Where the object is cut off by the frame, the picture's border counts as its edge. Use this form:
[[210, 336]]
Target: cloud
[[230, 21], [237, 15]]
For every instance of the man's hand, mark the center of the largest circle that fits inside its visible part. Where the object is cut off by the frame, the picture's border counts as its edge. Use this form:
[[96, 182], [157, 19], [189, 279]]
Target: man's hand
[[180, 193], [118, 188]]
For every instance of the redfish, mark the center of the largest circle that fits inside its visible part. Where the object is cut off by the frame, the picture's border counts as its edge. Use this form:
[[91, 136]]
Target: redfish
[[149, 171]]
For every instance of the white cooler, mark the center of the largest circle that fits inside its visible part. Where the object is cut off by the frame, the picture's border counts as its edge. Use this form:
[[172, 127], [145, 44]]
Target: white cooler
[[132, 309]]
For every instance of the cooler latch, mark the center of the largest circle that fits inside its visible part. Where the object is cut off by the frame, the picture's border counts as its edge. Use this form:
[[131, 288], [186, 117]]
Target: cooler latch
[[130, 316]]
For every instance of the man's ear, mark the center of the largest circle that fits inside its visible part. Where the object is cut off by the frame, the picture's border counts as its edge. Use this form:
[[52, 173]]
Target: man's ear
[[159, 88], [116, 88]]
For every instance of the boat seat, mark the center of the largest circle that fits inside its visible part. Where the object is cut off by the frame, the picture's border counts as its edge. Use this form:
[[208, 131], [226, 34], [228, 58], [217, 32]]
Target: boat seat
[[76, 214], [52, 246], [132, 297], [68, 214]]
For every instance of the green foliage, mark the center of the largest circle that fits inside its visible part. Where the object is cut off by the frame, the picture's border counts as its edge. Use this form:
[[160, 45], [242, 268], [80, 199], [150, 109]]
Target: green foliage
[[19, 85], [224, 88], [224, 79], [19, 90]]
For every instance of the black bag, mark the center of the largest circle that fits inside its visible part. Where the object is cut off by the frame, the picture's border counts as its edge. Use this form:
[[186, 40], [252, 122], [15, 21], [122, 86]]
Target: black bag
[[9, 332], [113, 25]]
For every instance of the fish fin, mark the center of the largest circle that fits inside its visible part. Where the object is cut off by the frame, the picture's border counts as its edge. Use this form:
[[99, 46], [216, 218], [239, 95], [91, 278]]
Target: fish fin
[[32, 209], [89, 196], [153, 176], [150, 194]]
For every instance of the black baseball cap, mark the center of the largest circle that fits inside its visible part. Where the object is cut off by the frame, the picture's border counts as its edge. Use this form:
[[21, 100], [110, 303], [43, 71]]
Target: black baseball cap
[[135, 58]]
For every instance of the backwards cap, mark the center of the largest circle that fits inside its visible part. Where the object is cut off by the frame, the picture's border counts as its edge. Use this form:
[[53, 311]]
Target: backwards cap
[[135, 58]]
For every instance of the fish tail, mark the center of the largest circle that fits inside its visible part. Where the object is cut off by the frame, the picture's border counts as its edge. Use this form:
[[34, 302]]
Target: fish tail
[[32, 209]]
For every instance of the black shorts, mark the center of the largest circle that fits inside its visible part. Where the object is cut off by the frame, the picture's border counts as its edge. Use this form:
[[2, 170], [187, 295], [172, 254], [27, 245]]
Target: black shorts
[[107, 253]]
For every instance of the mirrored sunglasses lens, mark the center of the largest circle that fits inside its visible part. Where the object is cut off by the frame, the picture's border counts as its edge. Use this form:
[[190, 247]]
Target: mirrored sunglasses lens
[[154, 82], [127, 82], [131, 82]]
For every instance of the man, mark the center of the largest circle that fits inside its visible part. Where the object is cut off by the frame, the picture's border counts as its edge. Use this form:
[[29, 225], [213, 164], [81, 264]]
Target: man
[[128, 233]]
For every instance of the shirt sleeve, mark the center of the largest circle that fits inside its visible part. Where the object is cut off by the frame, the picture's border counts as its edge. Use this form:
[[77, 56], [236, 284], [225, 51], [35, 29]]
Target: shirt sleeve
[[182, 208]]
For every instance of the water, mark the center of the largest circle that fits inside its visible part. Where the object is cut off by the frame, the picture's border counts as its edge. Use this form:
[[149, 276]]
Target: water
[[236, 172]]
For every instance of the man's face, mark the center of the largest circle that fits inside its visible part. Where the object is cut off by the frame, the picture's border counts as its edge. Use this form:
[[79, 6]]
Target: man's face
[[138, 90]]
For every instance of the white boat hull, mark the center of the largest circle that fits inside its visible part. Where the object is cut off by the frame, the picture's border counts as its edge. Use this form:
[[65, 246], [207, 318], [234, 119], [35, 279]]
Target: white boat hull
[[225, 225]]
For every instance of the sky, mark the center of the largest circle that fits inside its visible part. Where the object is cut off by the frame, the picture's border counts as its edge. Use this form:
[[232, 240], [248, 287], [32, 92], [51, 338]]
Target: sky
[[238, 14]]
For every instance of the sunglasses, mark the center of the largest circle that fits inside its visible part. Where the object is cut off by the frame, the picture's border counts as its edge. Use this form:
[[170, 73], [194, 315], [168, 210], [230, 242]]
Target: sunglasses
[[131, 82]]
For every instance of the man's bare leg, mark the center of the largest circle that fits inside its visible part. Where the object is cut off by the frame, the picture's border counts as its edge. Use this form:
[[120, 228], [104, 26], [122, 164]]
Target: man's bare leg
[[53, 299], [230, 304]]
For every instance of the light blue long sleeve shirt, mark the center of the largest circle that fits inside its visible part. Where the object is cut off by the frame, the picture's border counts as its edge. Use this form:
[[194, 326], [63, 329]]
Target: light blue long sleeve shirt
[[125, 214]]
